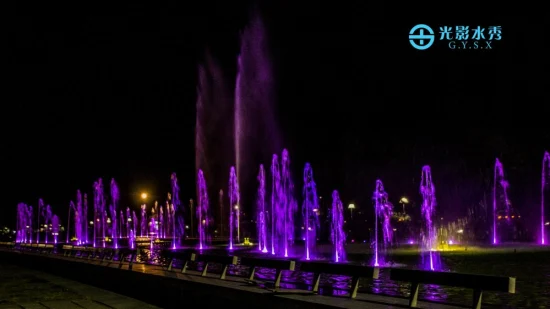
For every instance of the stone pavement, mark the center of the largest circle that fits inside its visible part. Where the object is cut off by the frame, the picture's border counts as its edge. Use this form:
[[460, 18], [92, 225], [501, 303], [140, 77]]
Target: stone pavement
[[29, 289]]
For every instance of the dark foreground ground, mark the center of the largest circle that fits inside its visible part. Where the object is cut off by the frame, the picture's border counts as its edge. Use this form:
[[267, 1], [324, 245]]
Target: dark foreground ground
[[30, 289]]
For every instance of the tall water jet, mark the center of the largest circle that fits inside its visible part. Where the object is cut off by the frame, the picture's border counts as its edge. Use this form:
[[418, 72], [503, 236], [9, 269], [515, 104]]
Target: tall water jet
[[77, 222], [275, 183], [99, 212], [427, 190], [115, 198], [78, 214], [143, 222], [545, 181], [134, 229], [55, 228], [85, 218], [310, 206], [47, 221], [24, 223], [254, 112], [202, 210], [337, 235], [382, 211], [260, 211], [234, 200], [178, 223], [288, 205], [499, 181], [38, 215]]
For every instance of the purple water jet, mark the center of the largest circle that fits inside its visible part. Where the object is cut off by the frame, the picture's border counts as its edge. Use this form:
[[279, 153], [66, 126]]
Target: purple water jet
[[275, 182], [499, 181], [310, 208], [85, 218], [254, 112], [545, 181], [383, 210], [115, 198], [143, 223], [178, 223], [202, 211], [47, 220], [234, 200], [38, 215], [429, 239], [79, 226], [337, 235], [287, 206], [99, 211], [24, 223], [55, 228], [260, 212]]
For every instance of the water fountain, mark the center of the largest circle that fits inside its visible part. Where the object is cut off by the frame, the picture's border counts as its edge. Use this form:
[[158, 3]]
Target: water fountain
[[234, 200], [143, 222], [382, 211], [178, 220], [85, 218], [134, 229], [429, 239], [260, 212], [55, 228], [24, 223], [115, 198], [287, 206], [275, 182], [545, 181], [47, 221], [337, 235], [77, 222], [310, 207], [202, 211], [99, 212], [38, 215], [499, 181], [79, 226]]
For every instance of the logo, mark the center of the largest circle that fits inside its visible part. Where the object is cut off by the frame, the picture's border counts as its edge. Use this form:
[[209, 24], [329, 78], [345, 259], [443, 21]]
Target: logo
[[424, 40], [457, 37]]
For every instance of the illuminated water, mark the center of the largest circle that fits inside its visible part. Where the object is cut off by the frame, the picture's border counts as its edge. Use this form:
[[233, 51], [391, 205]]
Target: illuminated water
[[337, 234], [429, 233], [501, 203], [544, 183], [382, 213], [310, 206], [261, 215]]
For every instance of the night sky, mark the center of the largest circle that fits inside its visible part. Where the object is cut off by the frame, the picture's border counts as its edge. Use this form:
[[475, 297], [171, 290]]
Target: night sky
[[96, 91]]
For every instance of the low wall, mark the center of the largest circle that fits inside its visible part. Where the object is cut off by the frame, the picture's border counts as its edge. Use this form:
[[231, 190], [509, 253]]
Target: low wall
[[157, 290]]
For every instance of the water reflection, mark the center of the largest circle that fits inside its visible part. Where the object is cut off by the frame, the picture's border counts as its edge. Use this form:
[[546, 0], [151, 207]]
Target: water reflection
[[533, 282]]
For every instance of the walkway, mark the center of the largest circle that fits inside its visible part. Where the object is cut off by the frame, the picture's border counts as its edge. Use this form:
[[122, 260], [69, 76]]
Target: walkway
[[29, 289], [236, 283]]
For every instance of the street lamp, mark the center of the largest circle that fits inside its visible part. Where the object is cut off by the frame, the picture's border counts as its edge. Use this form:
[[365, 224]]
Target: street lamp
[[351, 207], [143, 196], [404, 201]]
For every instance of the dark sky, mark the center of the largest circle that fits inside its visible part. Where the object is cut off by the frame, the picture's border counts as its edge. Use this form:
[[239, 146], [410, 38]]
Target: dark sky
[[95, 91]]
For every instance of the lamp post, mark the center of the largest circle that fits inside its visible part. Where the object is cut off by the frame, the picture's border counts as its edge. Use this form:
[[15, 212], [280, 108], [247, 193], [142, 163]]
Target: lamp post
[[351, 207], [403, 201]]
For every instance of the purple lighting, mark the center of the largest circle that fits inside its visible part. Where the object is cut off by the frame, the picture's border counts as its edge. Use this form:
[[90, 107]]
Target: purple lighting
[[427, 190], [383, 210], [337, 235], [260, 212], [234, 199], [115, 197], [202, 211], [499, 182], [545, 181], [309, 216]]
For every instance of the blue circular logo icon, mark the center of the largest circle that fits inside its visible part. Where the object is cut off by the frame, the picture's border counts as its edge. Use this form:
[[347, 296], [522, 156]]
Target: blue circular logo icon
[[421, 37]]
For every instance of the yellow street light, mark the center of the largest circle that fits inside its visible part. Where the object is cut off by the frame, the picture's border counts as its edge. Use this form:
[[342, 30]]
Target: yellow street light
[[144, 195]]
